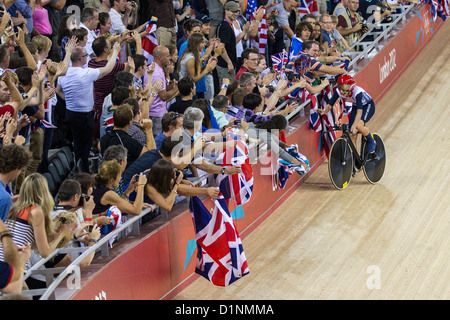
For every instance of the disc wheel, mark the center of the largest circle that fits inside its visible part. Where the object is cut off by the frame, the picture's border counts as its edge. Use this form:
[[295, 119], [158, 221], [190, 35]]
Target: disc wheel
[[375, 164], [340, 164]]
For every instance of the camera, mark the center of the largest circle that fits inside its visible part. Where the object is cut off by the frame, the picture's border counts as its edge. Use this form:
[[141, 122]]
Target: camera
[[291, 75], [237, 122]]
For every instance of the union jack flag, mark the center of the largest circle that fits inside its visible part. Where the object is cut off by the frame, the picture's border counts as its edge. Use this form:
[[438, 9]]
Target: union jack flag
[[439, 8], [149, 42], [220, 254], [238, 186], [280, 60], [308, 6]]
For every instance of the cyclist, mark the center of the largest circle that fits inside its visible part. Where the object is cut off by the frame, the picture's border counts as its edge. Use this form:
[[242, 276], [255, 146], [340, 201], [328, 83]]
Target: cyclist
[[362, 110]]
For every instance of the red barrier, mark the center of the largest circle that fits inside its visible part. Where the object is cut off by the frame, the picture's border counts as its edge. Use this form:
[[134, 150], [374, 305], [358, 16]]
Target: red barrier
[[155, 267]]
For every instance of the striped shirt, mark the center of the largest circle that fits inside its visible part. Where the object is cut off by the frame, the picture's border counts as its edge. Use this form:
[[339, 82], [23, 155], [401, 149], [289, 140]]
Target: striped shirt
[[21, 230], [104, 85]]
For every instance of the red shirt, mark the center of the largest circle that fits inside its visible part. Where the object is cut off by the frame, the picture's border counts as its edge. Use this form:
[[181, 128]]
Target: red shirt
[[241, 70]]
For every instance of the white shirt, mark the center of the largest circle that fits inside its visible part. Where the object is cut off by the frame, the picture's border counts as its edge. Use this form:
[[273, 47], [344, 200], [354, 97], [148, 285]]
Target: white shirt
[[91, 36], [116, 22], [78, 88]]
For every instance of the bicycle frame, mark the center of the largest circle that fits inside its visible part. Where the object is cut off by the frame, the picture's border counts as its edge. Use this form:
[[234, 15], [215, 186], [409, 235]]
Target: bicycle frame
[[346, 135]]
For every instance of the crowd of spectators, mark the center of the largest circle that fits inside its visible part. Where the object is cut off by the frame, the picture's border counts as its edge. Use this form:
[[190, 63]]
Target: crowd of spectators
[[89, 83]]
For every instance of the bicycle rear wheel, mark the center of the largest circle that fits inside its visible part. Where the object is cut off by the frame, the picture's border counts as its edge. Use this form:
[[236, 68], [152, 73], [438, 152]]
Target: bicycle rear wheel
[[375, 163], [340, 164]]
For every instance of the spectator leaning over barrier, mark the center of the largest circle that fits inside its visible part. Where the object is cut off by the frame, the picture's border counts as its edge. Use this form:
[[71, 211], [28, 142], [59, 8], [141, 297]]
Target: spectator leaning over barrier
[[12, 266], [29, 218], [13, 159], [79, 108], [107, 178]]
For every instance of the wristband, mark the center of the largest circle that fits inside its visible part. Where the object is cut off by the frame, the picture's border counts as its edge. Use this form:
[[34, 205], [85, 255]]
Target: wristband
[[225, 86], [88, 219]]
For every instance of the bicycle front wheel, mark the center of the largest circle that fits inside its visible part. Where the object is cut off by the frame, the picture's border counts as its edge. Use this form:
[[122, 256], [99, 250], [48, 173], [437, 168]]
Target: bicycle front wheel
[[375, 163], [340, 164]]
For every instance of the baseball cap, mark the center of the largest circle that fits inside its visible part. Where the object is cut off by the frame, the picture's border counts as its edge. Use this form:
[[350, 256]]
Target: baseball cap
[[392, 2], [232, 6], [203, 18]]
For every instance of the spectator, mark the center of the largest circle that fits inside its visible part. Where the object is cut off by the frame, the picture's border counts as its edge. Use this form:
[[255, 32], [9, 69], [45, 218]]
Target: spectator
[[220, 107], [135, 130], [89, 21], [109, 176], [29, 219], [123, 117], [104, 86], [303, 32], [41, 22], [225, 32], [250, 61], [54, 9], [79, 113], [13, 159], [190, 27], [170, 122], [44, 45], [164, 11], [216, 13], [65, 32], [13, 263], [283, 8], [350, 23], [158, 107], [118, 96], [331, 37], [140, 69], [22, 8], [186, 87]]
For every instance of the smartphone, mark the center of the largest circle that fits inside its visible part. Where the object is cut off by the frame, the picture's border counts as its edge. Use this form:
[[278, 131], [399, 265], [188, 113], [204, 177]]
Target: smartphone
[[237, 122], [91, 228]]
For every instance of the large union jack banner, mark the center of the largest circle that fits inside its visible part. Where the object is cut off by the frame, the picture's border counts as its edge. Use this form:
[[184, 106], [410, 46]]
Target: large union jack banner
[[220, 254]]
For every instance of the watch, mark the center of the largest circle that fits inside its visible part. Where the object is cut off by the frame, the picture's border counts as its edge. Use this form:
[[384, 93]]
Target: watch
[[153, 94], [223, 170]]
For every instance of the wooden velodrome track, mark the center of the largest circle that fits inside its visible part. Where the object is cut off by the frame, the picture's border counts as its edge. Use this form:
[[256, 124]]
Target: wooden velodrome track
[[384, 241]]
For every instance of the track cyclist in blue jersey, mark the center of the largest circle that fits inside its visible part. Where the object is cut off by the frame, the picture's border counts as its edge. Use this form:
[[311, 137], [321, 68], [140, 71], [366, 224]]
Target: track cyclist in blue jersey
[[362, 110]]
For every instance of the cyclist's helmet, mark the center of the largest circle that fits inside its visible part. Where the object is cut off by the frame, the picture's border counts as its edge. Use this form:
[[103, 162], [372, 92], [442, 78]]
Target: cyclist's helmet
[[346, 82]]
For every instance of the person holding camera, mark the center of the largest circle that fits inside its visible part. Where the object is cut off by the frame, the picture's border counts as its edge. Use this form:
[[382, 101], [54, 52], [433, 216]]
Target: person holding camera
[[351, 24]]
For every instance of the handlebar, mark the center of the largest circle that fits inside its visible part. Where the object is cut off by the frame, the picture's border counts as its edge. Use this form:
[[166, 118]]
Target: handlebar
[[342, 127]]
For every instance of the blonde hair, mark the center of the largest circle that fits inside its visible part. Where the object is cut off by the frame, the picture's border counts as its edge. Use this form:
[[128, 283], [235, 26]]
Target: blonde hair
[[42, 42], [65, 217], [34, 192]]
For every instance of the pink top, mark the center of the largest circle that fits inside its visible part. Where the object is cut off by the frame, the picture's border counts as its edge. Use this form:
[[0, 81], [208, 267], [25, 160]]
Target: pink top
[[41, 22]]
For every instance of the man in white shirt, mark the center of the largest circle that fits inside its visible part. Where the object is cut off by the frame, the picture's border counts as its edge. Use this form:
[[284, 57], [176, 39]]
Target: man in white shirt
[[89, 21], [77, 89]]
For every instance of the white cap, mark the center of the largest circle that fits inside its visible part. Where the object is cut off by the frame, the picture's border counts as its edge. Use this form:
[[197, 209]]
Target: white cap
[[392, 2]]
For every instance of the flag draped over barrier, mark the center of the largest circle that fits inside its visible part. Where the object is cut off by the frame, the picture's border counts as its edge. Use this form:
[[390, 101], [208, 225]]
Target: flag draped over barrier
[[220, 254]]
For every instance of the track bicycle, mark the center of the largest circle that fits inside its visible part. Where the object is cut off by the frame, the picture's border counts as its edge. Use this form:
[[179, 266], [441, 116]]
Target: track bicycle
[[344, 159]]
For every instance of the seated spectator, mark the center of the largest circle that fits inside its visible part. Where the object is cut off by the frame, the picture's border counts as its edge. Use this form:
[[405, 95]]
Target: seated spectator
[[13, 159], [186, 87], [108, 177], [123, 118], [64, 219], [170, 122], [13, 262], [29, 218]]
